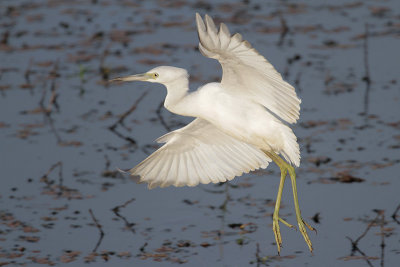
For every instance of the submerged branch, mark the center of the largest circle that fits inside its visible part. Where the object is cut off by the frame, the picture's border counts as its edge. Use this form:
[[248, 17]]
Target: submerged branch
[[122, 117], [285, 29], [128, 224], [378, 220], [367, 77], [394, 215], [161, 118], [45, 176], [98, 225]]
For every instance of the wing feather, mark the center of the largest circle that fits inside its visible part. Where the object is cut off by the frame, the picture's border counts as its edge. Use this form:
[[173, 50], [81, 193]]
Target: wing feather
[[198, 153], [224, 36], [228, 165], [181, 171], [171, 175], [203, 178], [151, 164], [246, 71], [209, 167], [191, 171]]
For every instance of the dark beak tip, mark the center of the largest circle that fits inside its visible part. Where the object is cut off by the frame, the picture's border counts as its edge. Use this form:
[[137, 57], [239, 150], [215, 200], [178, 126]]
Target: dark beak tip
[[115, 80]]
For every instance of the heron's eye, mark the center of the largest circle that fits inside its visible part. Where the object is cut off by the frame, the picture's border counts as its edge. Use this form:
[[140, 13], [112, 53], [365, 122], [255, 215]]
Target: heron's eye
[[155, 75]]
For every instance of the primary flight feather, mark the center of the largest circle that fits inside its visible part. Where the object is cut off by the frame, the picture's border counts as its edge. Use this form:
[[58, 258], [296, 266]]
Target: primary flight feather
[[239, 123], [247, 72]]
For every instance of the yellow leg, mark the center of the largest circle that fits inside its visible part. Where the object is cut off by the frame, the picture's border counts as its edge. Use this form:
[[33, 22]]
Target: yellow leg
[[275, 218], [285, 167], [300, 220]]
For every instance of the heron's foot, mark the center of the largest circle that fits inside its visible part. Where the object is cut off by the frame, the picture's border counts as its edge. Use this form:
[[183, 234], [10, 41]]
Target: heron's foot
[[277, 232], [302, 227]]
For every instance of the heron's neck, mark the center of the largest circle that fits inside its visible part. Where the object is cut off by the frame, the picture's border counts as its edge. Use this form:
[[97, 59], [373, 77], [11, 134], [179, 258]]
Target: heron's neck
[[177, 92]]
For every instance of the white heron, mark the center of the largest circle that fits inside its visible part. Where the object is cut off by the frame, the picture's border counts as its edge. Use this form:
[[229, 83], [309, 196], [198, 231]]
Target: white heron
[[239, 122]]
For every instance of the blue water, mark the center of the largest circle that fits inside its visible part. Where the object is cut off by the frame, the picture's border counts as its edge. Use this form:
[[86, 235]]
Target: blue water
[[358, 131]]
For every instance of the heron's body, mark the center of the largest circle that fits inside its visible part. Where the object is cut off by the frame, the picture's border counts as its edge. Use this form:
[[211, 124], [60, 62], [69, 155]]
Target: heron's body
[[235, 115], [238, 126]]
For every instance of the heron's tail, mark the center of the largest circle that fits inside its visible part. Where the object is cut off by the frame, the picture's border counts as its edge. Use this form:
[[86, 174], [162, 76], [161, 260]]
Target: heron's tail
[[291, 150]]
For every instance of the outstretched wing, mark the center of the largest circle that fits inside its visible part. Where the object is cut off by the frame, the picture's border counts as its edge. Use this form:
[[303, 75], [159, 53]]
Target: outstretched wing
[[246, 71], [198, 153]]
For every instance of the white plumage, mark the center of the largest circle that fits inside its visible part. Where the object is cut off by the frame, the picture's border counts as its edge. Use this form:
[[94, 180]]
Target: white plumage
[[239, 123], [237, 116], [247, 72], [199, 153]]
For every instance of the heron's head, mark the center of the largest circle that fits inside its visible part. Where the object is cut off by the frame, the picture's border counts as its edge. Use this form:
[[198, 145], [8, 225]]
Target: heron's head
[[162, 74]]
